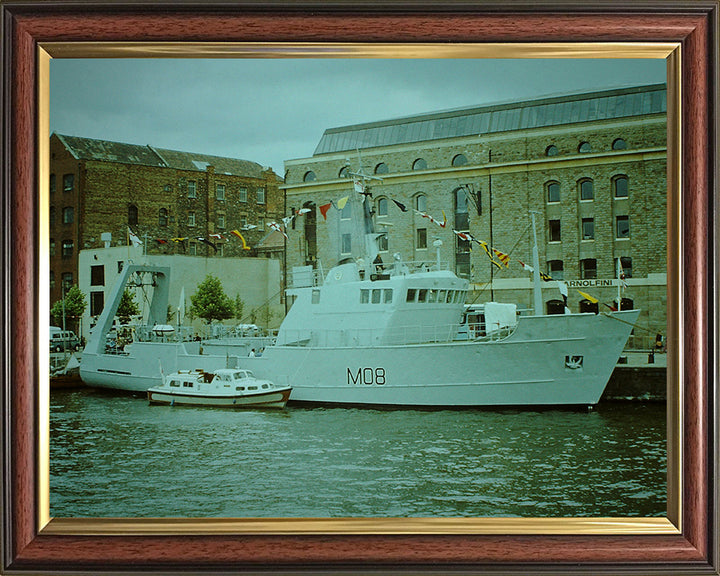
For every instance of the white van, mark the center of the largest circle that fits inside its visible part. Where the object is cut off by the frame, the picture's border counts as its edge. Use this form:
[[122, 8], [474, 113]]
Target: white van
[[61, 340]]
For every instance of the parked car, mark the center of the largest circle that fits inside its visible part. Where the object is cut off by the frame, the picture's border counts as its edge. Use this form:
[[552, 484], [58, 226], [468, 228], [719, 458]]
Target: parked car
[[62, 340]]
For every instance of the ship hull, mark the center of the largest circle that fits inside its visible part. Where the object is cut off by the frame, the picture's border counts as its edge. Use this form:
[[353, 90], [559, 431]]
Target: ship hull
[[547, 361]]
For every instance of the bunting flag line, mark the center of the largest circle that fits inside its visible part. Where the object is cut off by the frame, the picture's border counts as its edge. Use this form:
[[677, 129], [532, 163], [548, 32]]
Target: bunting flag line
[[161, 241], [464, 236], [275, 226], [286, 221], [341, 203], [324, 209], [529, 268], [218, 237], [133, 238], [402, 207], [242, 239], [358, 186], [526, 266], [302, 211], [588, 297], [487, 251], [206, 241], [178, 240], [433, 220], [504, 258]]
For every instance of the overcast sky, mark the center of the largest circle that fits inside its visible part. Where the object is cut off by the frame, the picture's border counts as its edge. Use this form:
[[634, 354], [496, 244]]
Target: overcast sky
[[272, 110]]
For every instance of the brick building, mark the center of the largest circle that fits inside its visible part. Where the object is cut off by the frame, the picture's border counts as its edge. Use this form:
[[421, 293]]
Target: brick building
[[99, 188], [592, 167]]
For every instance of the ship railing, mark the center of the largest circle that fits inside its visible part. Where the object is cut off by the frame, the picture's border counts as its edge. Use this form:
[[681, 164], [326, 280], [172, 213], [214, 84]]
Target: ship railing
[[496, 335]]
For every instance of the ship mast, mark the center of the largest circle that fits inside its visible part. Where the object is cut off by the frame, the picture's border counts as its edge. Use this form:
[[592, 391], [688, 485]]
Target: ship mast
[[360, 186], [537, 290]]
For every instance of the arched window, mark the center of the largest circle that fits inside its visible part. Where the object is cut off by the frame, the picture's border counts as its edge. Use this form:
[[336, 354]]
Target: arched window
[[461, 209], [421, 202], [132, 215], [587, 306], [419, 164], [620, 186], [163, 217], [552, 150], [459, 160], [584, 147], [309, 176], [625, 303], [619, 144], [553, 191], [344, 172], [382, 207], [555, 307], [381, 168], [586, 189]]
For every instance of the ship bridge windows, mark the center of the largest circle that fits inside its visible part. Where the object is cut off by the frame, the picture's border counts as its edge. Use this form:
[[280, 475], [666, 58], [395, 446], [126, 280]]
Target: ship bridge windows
[[429, 296], [376, 296]]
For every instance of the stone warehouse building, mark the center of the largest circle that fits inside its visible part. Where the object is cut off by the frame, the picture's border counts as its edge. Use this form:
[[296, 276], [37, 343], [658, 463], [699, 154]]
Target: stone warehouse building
[[100, 189], [592, 167]]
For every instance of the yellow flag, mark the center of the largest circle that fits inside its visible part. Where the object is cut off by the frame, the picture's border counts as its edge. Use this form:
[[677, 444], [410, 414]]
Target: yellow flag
[[341, 203], [588, 297]]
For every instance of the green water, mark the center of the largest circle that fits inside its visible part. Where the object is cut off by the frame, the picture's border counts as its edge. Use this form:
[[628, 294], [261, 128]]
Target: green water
[[114, 455]]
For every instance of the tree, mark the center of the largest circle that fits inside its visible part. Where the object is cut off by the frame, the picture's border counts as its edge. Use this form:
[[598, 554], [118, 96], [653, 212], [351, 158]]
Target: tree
[[74, 307], [127, 307], [210, 301], [239, 306]]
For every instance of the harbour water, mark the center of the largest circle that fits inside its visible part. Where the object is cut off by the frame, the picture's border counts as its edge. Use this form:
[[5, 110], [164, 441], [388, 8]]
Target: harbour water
[[116, 456]]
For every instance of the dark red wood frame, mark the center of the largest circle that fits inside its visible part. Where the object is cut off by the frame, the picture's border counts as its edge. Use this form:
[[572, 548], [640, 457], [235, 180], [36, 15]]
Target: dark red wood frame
[[25, 24]]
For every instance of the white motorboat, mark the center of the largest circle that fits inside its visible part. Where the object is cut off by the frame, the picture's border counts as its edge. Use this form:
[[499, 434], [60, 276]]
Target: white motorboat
[[227, 388], [360, 335]]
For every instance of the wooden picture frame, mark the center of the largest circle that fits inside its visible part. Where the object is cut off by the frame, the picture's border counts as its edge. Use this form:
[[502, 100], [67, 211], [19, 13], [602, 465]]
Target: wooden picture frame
[[686, 542]]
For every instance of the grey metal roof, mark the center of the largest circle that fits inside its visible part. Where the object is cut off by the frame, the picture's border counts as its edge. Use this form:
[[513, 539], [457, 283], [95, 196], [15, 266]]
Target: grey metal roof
[[588, 107], [106, 151]]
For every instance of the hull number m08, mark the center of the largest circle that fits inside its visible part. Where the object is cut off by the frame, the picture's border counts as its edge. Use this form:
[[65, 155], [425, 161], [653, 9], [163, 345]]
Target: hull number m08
[[368, 376]]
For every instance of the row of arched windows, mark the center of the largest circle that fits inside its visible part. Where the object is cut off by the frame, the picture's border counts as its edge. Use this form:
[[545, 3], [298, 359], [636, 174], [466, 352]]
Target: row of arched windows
[[382, 168], [585, 147], [586, 188]]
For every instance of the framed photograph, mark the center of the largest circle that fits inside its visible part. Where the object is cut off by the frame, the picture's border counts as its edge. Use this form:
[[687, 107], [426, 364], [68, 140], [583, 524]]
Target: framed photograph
[[682, 35]]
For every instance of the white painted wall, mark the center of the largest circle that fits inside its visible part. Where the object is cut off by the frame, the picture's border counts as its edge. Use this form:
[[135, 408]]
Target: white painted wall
[[257, 280]]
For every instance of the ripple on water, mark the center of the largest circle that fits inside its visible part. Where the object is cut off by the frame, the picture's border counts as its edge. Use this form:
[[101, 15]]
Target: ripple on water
[[118, 456]]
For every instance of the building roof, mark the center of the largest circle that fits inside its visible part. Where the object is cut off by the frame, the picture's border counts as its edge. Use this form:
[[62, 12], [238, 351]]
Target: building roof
[[106, 151], [528, 114]]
